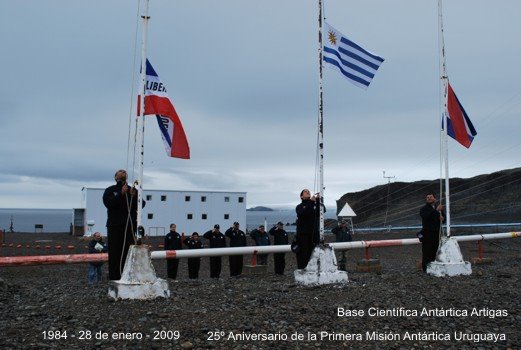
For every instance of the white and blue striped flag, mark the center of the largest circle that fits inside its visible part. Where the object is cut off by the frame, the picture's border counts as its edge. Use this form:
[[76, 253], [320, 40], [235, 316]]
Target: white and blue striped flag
[[355, 63]]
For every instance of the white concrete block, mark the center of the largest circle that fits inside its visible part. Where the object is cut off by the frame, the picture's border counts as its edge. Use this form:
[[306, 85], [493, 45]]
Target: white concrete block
[[138, 280], [449, 260], [322, 269]]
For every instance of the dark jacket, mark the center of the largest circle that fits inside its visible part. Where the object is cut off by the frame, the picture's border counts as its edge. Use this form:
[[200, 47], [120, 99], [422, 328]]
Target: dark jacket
[[118, 206], [237, 237], [342, 234], [308, 219], [280, 237], [193, 244], [260, 238], [216, 240], [173, 241], [431, 218], [92, 250]]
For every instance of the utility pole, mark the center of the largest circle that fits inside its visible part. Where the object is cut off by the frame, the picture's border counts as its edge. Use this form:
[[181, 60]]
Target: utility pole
[[388, 190]]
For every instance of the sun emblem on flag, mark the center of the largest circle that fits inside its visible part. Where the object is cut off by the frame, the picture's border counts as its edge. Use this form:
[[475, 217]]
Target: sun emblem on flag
[[332, 37]]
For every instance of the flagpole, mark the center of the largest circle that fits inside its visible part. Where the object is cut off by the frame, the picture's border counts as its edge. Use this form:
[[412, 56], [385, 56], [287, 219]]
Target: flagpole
[[444, 135], [141, 123], [320, 122]]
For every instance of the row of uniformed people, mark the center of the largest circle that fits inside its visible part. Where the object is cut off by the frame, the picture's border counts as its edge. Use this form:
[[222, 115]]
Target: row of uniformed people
[[237, 238]]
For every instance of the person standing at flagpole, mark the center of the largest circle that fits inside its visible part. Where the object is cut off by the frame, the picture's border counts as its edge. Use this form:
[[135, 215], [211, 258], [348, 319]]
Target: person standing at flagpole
[[121, 203], [308, 220], [432, 217]]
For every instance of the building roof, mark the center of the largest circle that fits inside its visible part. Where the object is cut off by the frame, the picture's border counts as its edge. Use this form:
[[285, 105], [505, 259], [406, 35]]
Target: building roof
[[347, 211], [178, 191]]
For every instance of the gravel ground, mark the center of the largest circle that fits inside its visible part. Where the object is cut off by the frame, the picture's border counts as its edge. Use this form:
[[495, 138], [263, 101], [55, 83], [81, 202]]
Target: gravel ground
[[38, 303]]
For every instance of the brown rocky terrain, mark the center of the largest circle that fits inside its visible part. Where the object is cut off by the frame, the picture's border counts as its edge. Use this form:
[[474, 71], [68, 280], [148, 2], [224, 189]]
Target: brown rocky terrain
[[37, 302]]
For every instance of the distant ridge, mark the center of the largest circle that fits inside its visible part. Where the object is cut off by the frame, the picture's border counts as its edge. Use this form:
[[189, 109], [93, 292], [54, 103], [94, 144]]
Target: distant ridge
[[259, 208], [488, 198]]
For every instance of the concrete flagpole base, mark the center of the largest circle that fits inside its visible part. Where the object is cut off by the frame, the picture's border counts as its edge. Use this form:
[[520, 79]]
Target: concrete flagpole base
[[322, 268], [138, 280], [449, 261]]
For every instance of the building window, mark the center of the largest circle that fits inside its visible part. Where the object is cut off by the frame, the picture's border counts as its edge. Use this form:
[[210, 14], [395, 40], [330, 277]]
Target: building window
[[203, 198], [226, 216], [189, 216], [163, 198], [150, 216], [187, 198], [226, 199], [204, 216], [241, 199], [149, 197]]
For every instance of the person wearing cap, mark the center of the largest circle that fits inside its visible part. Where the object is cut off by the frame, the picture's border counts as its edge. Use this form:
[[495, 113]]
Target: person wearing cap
[[260, 236], [172, 242], [342, 234], [280, 237], [217, 240], [194, 264], [237, 239], [308, 222]]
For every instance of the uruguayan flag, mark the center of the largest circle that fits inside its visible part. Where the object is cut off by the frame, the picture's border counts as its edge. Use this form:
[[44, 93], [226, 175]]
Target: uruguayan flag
[[356, 64]]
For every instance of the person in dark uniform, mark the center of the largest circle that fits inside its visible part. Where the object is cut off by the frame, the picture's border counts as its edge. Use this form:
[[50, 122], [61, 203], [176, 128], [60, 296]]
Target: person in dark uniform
[[280, 237], [308, 217], [432, 217], [237, 239], [217, 240], [261, 237], [193, 263], [342, 233], [172, 242], [121, 202]]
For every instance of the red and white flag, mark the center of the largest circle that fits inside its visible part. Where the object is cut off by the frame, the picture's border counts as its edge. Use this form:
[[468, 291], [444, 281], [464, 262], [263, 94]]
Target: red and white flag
[[157, 102], [459, 126]]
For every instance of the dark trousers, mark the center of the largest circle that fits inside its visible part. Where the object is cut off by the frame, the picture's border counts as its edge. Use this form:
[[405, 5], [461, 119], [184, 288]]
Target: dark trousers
[[306, 246], [119, 242], [215, 267], [193, 267], [171, 268], [236, 262], [262, 259], [430, 244], [280, 263]]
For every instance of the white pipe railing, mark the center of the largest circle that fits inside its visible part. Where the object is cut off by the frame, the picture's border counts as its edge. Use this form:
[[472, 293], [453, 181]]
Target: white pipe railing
[[198, 253]]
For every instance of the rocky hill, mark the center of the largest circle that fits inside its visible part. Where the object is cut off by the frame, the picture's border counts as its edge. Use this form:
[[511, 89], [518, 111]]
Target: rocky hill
[[489, 198]]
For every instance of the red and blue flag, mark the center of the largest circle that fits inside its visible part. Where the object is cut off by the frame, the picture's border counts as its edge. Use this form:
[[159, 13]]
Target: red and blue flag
[[157, 102], [459, 126]]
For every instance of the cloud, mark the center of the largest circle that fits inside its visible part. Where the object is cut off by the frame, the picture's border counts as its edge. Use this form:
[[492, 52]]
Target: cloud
[[244, 79]]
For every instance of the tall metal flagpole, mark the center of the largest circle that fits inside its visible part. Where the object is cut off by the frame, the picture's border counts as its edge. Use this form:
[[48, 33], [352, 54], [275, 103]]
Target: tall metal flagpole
[[141, 123], [320, 123], [444, 135]]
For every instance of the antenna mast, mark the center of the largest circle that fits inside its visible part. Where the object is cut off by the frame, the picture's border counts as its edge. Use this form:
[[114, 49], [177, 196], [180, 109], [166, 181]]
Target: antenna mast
[[388, 190]]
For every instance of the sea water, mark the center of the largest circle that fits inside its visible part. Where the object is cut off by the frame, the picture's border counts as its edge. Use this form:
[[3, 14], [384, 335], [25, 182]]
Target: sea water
[[24, 220]]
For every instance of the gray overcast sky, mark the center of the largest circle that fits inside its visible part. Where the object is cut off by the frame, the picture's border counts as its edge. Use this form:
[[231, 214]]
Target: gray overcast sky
[[243, 77]]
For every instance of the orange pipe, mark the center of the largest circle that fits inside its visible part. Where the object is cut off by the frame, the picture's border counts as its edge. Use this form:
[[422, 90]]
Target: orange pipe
[[52, 259]]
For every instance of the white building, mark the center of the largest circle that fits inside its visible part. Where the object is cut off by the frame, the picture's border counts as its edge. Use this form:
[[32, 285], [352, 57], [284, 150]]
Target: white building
[[191, 211]]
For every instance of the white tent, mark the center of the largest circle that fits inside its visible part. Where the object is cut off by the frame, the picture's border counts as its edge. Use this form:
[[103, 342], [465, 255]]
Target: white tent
[[347, 213]]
